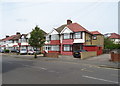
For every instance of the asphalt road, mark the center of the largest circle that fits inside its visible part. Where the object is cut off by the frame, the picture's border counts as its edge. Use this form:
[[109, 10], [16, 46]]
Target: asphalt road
[[24, 71]]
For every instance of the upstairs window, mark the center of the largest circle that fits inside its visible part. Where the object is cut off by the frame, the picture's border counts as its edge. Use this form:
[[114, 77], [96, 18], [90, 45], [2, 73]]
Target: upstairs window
[[47, 38], [94, 37], [78, 35], [67, 36], [55, 37]]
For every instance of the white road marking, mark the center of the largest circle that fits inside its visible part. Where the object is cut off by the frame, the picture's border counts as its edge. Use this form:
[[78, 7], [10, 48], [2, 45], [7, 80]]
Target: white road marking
[[100, 79]]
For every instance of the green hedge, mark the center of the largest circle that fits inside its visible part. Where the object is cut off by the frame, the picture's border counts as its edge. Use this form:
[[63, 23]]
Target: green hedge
[[6, 51]]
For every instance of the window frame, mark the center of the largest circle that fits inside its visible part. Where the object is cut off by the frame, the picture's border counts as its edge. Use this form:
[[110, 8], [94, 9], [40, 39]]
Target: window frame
[[70, 36], [80, 33], [55, 36], [94, 38], [70, 48]]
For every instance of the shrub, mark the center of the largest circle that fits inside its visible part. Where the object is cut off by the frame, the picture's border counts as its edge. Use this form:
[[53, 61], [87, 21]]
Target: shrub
[[6, 51]]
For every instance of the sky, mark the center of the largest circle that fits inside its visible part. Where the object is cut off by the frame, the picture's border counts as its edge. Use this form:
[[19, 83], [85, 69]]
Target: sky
[[23, 15]]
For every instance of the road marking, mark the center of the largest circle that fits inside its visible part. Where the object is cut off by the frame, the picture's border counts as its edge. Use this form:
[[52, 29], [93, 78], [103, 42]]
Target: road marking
[[84, 69], [100, 79]]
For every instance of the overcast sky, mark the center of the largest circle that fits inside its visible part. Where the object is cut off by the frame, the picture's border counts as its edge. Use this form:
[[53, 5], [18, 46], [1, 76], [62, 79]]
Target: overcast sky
[[22, 16]]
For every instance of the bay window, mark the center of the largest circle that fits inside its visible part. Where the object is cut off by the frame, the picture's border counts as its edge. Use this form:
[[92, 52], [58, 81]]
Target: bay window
[[67, 47], [52, 47], [67, 36], [55, 37], [78, 35]]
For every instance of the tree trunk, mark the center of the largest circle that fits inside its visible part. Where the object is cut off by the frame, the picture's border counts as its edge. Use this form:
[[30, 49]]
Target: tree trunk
[[35, 56]]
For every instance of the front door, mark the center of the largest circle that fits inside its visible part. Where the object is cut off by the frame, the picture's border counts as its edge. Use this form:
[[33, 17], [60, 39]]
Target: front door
[[77, 46]]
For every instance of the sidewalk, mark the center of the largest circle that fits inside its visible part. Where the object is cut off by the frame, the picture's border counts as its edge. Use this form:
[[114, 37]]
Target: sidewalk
[[100, 61]]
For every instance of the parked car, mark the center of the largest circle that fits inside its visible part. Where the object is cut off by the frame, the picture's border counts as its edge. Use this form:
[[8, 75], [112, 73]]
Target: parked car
[[37, 51], [31, 52], [14, 51], [2, 51], [76, 53], [23, 51]]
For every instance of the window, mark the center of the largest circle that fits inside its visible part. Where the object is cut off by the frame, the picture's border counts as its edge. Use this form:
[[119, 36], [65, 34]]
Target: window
[[55, 47], [67, 36], [77, 35], [67, 47], [47, 38], [52, 47], [94, 37], [22, 40], [55, 37]]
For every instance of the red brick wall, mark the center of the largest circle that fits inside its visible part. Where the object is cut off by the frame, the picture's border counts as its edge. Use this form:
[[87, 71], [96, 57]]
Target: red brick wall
[[67, 53], [55, 42], [67, 41], [115, 56], [93, 48], [54, 52], [55, 55]]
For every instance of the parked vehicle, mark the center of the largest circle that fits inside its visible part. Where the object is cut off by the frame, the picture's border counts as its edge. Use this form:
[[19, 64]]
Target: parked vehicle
[[76, 53], [31, 52], [2, 51], [14, 51], [37, 51], [23, 51]]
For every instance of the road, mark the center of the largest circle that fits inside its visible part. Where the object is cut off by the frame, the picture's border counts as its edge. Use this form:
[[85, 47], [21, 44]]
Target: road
[[24, 71]]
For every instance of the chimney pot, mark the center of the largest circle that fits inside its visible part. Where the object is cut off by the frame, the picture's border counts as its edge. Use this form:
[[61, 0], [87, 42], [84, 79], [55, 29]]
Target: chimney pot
[[18, 33], [7, 36], [69, 22]]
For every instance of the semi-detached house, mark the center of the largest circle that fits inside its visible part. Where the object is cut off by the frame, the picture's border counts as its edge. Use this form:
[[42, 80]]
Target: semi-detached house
[[16, 42], [72, 36]]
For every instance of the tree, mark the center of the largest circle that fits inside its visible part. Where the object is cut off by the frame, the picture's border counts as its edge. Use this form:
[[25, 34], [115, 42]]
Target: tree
[[37, 38], [108, 44]]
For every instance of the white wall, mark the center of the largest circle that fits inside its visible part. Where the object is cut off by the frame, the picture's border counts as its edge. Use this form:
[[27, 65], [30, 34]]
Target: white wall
[[117, 41], [66, 30], [53, 32]]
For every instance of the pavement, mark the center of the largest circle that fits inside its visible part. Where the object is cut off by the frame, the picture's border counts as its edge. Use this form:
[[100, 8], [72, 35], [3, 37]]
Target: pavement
[[99, 61]]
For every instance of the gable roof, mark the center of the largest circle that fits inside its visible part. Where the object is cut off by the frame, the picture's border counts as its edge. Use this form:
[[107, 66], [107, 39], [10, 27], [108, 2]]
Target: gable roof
[[59, 29], [95, 33], [9, 38], [75, 27], [115, 36], [17, 37]]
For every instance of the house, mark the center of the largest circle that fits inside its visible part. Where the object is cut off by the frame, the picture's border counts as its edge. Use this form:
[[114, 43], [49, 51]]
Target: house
[[17, 42], [23, 42], [14, 42], [8, 42], [114, 37], [72, 36], [97, 43]]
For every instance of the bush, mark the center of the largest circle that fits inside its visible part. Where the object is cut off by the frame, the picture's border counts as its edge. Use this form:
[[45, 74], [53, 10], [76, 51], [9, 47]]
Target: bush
[[6, 51]]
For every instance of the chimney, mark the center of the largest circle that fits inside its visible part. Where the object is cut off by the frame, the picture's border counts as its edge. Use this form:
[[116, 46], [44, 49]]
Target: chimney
[[69, 22], [7, 36], [18, 33]]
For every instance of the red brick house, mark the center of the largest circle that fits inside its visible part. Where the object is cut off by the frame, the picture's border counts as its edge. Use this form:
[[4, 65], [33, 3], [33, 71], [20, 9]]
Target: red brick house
[[72, 36]]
